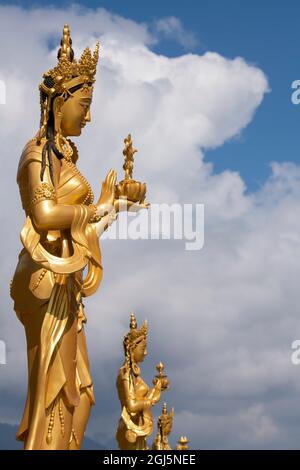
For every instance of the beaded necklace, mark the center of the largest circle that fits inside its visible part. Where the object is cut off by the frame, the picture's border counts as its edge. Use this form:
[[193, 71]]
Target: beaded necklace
[[66, 149]]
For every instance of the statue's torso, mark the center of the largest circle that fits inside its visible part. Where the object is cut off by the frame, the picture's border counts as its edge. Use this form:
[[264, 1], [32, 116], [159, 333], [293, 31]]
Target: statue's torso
[[71, 187]]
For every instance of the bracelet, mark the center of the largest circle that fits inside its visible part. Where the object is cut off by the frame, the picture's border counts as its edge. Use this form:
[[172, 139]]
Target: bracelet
[[95, 217], [112, 216]]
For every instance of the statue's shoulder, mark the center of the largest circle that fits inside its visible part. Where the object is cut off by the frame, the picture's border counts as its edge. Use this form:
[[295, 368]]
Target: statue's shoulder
[[32, 148], [32, 151], [124, 373]]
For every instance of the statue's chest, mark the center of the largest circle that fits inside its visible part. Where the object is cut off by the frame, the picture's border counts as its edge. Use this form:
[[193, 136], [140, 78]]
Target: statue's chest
[[141, 388], [73, 187]]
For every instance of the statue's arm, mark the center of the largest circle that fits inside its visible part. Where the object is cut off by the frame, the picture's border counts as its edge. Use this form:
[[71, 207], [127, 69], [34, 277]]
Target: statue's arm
[[46, 212], [105, 222], [155, 393], [119, 206]]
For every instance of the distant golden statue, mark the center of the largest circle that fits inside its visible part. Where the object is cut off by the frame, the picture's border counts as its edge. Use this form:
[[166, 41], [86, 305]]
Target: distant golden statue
[[164, 428], [60, 238], [137, 399]]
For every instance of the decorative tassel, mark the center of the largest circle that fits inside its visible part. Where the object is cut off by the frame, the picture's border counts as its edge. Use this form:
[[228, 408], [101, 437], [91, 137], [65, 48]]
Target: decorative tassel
[[51, 424], [61, 418]]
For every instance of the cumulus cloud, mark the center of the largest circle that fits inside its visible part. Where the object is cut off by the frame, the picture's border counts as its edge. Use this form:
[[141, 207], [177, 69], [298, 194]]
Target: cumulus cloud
[[222, 319], [172, 28]]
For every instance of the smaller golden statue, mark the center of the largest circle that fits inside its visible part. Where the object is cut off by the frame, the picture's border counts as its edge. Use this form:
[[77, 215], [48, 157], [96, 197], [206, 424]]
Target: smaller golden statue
[[136, 422], [128, 188], [164, 428]]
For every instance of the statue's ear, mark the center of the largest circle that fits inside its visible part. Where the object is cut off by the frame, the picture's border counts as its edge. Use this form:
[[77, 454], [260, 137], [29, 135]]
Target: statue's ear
[[131, 351], [57, 112], [58, 102]]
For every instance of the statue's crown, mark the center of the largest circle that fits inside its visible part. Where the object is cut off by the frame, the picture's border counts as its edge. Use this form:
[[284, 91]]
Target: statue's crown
[[69, 73], [135, 335]]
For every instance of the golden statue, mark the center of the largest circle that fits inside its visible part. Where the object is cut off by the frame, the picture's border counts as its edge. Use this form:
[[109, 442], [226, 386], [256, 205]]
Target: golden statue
[[164, 428], [60, 238], [136, 422]]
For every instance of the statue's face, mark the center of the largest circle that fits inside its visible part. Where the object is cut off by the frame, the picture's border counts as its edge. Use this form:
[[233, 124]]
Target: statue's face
[[140, 351], [76, 113]]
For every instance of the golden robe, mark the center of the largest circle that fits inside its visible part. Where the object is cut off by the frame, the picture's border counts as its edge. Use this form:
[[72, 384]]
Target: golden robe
[[47, 290]]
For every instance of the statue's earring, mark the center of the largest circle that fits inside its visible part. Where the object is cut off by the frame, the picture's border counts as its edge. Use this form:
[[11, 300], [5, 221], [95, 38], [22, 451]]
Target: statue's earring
[[44, 119], [134, 367], [58, 114], [131, 356]]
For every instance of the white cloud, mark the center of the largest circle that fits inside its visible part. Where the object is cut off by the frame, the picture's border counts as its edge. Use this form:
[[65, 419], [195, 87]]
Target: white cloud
[[221, 319], [172, 28]]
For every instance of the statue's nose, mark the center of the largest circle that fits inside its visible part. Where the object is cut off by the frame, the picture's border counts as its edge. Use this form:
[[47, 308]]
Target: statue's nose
[[88, 116]]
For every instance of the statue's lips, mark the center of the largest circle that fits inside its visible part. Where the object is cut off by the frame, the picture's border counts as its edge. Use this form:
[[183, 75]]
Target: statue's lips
[[82, 124]]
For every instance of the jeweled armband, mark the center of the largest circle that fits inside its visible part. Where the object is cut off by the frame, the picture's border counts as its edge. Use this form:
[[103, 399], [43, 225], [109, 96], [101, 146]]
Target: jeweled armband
[[95, 217], [43, 192]]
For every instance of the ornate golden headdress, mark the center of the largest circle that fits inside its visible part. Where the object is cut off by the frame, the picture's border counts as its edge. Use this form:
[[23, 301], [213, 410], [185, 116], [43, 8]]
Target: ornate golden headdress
[[67, 74], [134, 336]]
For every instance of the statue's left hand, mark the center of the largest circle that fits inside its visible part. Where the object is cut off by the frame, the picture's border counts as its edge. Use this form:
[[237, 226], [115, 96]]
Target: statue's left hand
[[156, 392], [122, 205]]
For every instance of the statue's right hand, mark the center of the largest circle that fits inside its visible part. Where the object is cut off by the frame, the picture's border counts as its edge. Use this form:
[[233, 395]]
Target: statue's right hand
[[105, 203], [156, 398]]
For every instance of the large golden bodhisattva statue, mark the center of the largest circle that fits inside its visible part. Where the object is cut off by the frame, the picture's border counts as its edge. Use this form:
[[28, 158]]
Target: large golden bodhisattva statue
[[60, 238]]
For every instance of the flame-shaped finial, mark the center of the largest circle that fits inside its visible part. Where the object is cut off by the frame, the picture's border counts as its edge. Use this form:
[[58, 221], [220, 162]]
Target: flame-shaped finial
[[133, 323], [66, 50]]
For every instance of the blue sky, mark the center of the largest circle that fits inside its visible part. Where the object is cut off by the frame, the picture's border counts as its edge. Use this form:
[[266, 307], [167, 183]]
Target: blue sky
[[264, 33]]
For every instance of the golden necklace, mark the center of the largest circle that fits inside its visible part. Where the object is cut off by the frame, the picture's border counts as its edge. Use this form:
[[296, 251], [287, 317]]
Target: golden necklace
[[64, 147]]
